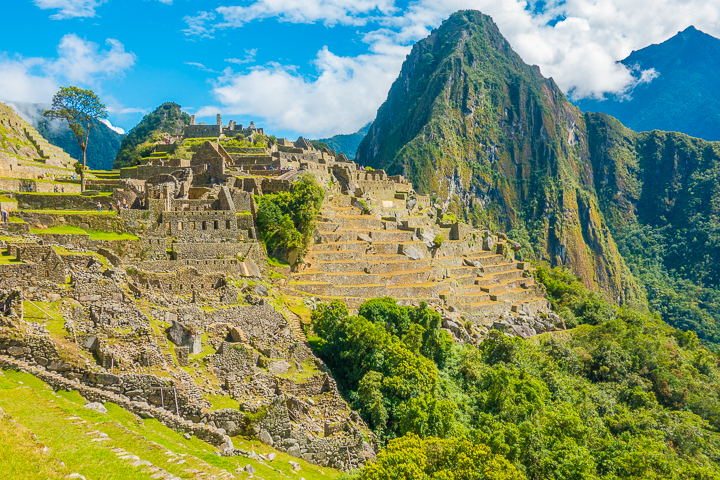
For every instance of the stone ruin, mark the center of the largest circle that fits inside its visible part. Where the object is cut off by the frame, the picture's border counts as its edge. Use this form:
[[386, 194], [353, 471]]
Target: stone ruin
[[185, 305]]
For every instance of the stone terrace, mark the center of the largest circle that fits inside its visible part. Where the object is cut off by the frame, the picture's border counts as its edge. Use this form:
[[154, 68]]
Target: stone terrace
[[392, 251]]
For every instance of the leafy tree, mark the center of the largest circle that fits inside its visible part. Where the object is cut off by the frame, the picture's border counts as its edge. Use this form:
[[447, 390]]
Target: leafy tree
[[286, 220], [621, 396], [79, 108]]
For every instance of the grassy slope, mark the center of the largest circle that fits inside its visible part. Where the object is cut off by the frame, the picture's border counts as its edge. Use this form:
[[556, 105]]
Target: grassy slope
[[42, 419]]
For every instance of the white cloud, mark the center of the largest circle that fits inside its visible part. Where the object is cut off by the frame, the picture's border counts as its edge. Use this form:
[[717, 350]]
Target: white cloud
[[78, 62], [201, 67], [330, 12], [345, 94], [249, 57], [112, 127], [69, 8]]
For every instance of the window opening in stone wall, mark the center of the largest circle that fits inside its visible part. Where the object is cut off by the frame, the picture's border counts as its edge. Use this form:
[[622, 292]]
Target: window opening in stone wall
[[204, 225], [227, 224], [216, 224]]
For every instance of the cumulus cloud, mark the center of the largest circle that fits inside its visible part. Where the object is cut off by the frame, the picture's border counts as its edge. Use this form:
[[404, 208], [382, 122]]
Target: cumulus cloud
[[78, 61], [69, 8], [345, 93], [112, 127], [577, 42]]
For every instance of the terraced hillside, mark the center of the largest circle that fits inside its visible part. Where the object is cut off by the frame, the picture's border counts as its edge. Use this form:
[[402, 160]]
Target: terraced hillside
[[414, 257]]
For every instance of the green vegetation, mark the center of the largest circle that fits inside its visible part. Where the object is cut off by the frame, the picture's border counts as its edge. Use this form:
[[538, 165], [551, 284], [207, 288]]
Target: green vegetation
[[287, 220], [79, 108], [44, 434], [140, 141], [94, 234], [346, 143], [621, 396]]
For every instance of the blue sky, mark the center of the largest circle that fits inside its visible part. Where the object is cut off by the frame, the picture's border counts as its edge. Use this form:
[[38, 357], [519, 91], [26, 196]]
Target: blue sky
[[310, 67]]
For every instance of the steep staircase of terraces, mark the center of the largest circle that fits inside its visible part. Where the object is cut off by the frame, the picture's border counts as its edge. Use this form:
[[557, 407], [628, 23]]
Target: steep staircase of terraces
[[357, 256]]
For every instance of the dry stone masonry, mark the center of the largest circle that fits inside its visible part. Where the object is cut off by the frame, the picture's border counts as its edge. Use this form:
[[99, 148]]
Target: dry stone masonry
[[169, 308]]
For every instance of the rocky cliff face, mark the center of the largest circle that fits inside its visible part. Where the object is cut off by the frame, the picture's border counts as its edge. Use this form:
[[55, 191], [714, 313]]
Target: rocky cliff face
[[499, 144]]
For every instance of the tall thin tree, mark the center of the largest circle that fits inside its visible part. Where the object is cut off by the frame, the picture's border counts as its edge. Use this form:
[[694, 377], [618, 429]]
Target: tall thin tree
[[79, 108]]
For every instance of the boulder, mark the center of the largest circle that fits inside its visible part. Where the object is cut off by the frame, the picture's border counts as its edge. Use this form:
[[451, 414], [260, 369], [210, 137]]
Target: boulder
[[364, 237], [15, 351], [249, 469], [237, 335], [98, 407], [58, 366], [515, 246], [488, 243], [468, 262], [227, 445], [270, 456], [250, 269], [185, 336], [412, 253], [261, 290], [279, 367], [265, 438], [294, 465]]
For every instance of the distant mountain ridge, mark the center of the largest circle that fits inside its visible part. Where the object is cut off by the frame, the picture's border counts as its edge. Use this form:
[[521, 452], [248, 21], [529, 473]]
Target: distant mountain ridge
[[685, 95], [346, 143], [103, 145]]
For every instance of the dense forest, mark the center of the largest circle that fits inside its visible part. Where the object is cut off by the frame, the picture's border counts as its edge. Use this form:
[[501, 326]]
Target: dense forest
[[621, 395]]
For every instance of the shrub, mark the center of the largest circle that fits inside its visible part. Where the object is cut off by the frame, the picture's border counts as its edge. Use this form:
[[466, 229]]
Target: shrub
[[287, 220]]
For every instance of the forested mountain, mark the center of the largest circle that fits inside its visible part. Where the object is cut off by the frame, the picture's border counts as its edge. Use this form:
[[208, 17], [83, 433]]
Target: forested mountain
[[346, 143], [683, 97], [497, 143], [102, 147], [167, 118]]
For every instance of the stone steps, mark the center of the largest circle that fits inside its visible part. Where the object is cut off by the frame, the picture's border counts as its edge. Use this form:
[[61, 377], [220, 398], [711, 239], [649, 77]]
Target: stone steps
[[513, 295], [498, 277], [342, 265], [356, 245], [394, 263], [499, 267], [531, 305], [407, 277], [339, 278], [496, 288], [338, 255], [485, 258], [327, 288]]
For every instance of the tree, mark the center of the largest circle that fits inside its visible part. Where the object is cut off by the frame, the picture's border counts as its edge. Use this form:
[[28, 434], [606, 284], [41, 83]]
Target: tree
[[79, 108]]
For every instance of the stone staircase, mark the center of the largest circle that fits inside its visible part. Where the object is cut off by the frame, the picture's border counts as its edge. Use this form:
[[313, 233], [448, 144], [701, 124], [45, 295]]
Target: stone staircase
[[358, 256]]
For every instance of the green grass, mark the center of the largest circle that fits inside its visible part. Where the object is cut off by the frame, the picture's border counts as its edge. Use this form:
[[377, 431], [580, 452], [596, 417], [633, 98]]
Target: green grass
[[71, 212], [6, 199], [274, 262], [6, 259], [94, 234], [16, 220], [55, 323], [43, 418], [220, 401], [65, 194]]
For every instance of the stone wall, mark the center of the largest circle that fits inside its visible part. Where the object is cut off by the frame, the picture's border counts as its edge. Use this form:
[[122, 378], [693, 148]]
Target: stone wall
[[20, 185], [59, 201]]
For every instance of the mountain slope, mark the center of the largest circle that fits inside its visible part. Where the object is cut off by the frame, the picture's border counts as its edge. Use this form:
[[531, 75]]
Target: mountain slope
[[684, 97], [499, 144], [346, 143], [167, 118], [635, 214], [103, 145]]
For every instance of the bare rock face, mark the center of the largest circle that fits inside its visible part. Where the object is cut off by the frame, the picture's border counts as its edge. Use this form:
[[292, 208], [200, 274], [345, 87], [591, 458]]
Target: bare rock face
[[185, 336], [279, 367]]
